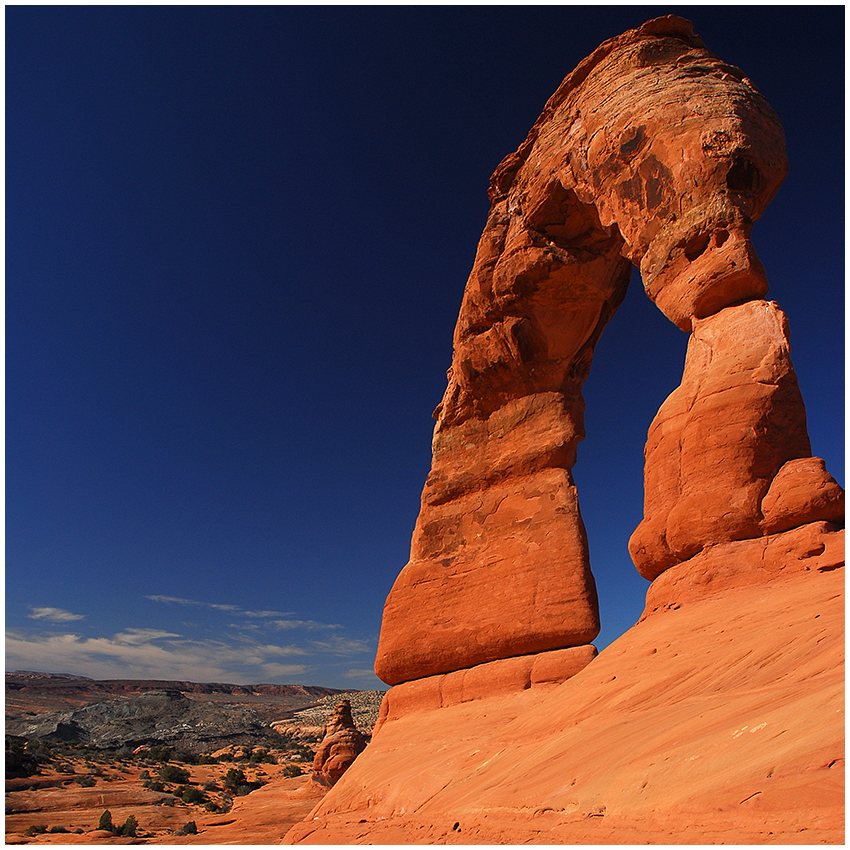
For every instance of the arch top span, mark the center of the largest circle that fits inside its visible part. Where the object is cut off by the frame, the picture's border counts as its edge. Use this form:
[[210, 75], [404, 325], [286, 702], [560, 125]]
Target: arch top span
[[652, 152]]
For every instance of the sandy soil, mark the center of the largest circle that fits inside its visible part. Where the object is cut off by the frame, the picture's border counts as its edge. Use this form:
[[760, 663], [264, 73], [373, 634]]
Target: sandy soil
[[261, 817]]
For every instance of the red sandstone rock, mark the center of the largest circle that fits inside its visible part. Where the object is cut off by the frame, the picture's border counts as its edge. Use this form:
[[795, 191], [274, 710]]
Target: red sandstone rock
[[492, 574], [802, 491], [720, 438], [815, 547], [486, 680], [341, 745], [718, 721], [651, 151], [718, 717]]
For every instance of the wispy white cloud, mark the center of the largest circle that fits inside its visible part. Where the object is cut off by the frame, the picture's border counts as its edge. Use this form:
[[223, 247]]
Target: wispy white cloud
[[179, 600], [282, 671], [151, 654], [339, 645], [284, 620], [311, 625], [364, 677], [358, 672], [136, 637], [54, 615], [266, 614]]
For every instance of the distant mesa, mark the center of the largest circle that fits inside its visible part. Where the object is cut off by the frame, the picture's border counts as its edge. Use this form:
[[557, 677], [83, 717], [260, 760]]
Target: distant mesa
[[654, 153]]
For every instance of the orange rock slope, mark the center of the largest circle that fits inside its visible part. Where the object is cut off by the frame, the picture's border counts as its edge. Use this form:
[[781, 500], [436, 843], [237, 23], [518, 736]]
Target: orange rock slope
[[716, 720], [718, 717]]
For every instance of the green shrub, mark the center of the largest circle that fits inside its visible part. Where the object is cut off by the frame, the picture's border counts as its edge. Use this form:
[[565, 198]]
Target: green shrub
[[189, 828], [105, 821], [291, 770], [159, 752], [172, 773], [234, 777], [128, 828], [36, 829], [57, 829], [85, 781], [190, 794]]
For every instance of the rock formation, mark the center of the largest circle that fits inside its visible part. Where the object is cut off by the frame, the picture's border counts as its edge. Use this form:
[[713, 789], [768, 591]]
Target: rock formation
[[651, 152], [655, 153], [341, 745]]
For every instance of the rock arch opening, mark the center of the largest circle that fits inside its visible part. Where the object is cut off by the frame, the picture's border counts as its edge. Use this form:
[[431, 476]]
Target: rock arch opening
[[653, 153]]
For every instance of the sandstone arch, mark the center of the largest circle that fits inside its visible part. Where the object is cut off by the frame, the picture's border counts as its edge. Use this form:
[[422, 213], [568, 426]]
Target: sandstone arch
[[651, 152]]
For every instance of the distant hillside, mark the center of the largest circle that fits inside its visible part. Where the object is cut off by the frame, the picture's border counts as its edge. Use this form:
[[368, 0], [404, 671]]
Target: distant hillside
[[29, 693]]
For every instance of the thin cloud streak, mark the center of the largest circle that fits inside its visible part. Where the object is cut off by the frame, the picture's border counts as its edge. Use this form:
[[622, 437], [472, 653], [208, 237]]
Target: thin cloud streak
[[303, 624], [339, 645], [276, 619], [54, 615], [179, 600]]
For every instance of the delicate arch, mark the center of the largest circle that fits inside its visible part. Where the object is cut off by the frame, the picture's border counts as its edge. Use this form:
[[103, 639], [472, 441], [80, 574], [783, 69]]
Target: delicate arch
[[651, 152]]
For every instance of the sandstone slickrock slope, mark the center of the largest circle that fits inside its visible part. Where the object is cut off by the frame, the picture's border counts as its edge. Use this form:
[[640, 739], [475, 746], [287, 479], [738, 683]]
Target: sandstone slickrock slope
[[342, 743], [502, 724]]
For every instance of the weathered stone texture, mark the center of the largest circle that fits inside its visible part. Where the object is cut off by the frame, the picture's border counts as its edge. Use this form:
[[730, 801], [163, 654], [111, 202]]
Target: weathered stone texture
[[340, 746], [651, 152]]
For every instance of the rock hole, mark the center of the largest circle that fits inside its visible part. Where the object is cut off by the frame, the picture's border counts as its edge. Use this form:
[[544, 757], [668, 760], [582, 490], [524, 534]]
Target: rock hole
[[456, 827], [743, 176], [720, 237], [696, 246]]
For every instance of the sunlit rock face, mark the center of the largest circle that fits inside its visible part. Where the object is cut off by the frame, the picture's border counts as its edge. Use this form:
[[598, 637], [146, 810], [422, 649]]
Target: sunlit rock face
[[342, 743], [655, 153], [716, 718]]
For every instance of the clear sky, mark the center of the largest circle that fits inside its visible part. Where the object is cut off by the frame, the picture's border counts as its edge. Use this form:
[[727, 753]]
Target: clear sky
[[237, 240]]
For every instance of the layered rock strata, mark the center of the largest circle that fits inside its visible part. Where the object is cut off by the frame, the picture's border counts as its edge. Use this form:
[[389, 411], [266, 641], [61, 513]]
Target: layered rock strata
[[342, 743]]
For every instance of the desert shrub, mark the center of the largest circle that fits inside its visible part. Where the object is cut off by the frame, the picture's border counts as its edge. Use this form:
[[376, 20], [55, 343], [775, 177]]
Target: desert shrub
[[159, 752], [190, 794], [144, 775], [153, 785], [212, 786], [85, 781], [105, 821], [237, 784], [234, 777], [57, 829], [189, 828], [36, 829], [78, 831], [172, 773], [20, 760], [291, 770], [128, 828]]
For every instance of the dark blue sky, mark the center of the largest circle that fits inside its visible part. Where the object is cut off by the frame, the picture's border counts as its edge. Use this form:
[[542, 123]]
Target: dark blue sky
[[237, 240]]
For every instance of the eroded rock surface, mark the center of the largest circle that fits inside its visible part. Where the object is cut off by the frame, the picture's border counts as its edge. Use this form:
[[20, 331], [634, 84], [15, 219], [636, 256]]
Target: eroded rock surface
[[341, 745], [501, 726], [651, 152], [719, 440]]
